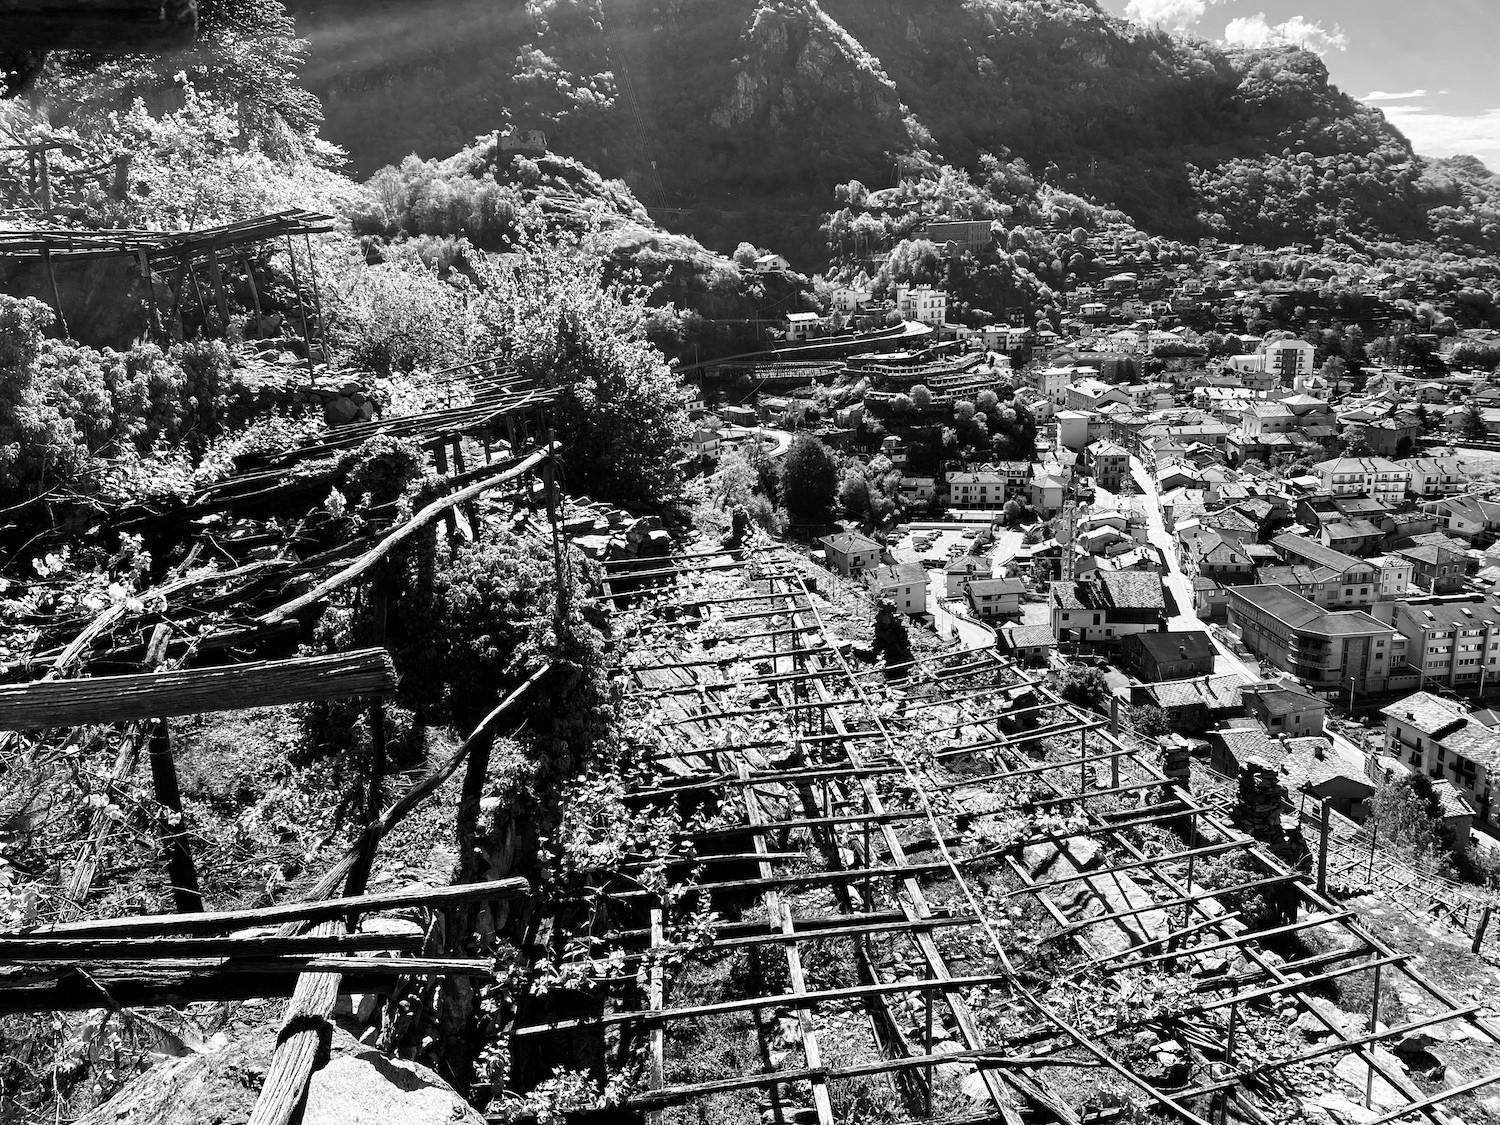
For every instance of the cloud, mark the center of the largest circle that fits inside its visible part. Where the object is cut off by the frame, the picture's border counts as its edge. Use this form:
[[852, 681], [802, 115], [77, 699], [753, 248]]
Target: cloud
[[1383, 96], [1177, 14], [1443, 134], [1254, 31]]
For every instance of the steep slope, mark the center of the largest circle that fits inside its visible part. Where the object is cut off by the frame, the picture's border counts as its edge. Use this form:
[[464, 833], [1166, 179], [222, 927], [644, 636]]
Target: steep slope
[[736, 118]]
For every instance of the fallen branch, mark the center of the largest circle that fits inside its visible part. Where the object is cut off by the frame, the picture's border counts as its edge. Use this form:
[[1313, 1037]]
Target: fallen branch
[[365, 562]]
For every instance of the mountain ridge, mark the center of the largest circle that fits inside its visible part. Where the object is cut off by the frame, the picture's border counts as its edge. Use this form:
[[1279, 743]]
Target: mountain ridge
[[741, 115]]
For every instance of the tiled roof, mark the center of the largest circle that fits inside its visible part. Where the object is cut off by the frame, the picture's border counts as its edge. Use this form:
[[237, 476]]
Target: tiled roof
[[1127, 590], [847, 542], [1311, 763], [1475, 742], [1029, 636], [1429, 713], [1217, 692], [1314, 552], [1190, 644], [1296, 612], [1283, 698]]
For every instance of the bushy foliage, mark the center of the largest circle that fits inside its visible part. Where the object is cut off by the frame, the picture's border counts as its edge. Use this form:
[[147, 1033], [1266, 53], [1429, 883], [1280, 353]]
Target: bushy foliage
[[76, 420], [397, 317], [1084, 686], [622, 417]]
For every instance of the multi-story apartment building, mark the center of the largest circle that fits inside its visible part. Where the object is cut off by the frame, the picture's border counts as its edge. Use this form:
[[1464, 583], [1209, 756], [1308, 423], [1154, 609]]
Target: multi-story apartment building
[[1377, 477], [1329, 650], [1444, 740], [1434, 477], [988, 485], [1452, 642]]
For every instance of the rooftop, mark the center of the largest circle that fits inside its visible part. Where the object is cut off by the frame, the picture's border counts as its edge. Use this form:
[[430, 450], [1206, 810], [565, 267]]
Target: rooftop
[[1299, 546], [1464, 613], [1429, 713], [1296, 612], [1216, 692]]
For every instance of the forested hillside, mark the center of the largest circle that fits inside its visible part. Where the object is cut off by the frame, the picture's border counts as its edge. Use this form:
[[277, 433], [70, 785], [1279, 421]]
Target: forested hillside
[[746, 113]]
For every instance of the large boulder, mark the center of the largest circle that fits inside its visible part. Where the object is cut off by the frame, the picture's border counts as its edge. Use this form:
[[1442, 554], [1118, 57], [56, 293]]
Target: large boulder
[[352, 1085]]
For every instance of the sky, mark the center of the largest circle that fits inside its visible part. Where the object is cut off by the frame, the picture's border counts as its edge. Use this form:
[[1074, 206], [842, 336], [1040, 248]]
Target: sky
[[1427, 64]]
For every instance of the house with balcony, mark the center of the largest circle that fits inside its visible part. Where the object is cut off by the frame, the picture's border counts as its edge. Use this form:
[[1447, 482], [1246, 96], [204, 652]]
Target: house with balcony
[[1354, 582], [1450, 642], [1328, 650], [991, 599], [1444, 740], [905, 585], [1377, 477], [961, 571], [850, 553], [1438, 570]]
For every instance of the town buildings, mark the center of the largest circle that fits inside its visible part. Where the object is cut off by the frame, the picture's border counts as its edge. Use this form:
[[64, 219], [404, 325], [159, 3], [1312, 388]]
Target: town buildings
[[1326, 649]]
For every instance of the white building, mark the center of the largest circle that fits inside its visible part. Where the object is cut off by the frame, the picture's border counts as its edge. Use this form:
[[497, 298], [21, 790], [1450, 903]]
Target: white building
[[923, 304]]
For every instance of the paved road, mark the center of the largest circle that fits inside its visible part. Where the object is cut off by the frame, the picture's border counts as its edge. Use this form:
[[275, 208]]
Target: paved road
[[781, 438], [971, 634], [1186, 618], [1007, 543]]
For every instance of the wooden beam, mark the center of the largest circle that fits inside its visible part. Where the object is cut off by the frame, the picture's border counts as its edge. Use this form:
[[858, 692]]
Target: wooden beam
[[272, 683], [213, 922]]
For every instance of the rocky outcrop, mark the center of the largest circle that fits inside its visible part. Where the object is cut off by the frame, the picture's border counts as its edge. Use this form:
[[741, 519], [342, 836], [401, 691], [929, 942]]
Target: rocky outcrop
[[795, 63], [352, 1085]]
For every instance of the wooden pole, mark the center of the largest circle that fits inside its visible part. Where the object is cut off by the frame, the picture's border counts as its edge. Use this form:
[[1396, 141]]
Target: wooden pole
[[216, 279], [172, 828], [440, 455], [1324, 811], [1484, 921], [156, 325], [366, 561], [46, 183], [1374, 1019], [62, 322], [291, 253], [254, 289], [312, 274], [296, 913]]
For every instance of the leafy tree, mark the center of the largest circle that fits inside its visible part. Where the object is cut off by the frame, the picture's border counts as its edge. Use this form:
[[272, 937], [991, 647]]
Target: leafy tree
[[854, 495], [246, 59], [987, 402], [921, 396], [1149, 720], [1472, 427], [1406, 814], [734, 482], [622, 417], [809, 480]]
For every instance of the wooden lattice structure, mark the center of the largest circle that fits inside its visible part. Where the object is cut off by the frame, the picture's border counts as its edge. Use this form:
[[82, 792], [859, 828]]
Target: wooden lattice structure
[[205, 638], [179, 257], [1010, 883]]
